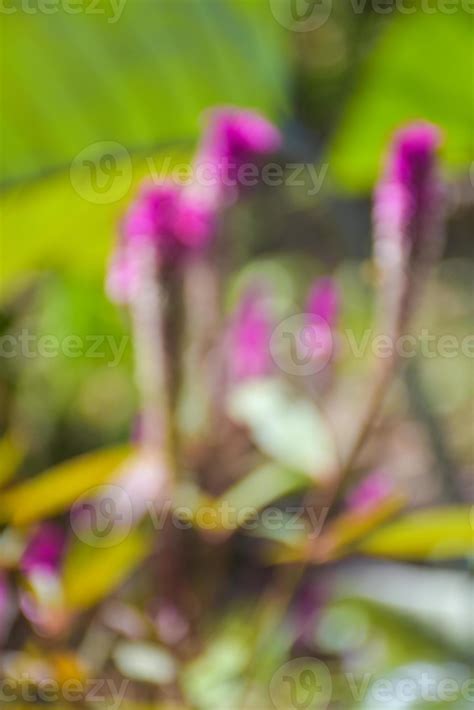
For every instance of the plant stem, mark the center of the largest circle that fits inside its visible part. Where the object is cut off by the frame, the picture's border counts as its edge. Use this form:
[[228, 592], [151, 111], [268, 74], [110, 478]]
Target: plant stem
[[151, 367]]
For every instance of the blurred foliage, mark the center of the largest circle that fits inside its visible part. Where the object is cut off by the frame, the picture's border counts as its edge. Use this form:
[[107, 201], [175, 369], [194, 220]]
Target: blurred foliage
[[75, 83], [406, 78], [140, 77]]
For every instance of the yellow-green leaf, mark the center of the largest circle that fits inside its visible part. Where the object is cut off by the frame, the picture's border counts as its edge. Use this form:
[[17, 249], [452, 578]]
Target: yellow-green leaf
[[11, 455], [53, 491], [263, 486], [91, 573], [436, 533]]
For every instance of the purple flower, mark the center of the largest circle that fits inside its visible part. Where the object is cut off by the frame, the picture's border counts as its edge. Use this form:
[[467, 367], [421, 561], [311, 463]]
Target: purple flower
[[44, 550], [408, 200], [166, 222], [234, 138], [250, 334], [169, 222], [240, 135], [370, 492], [168, 217], [324, 300], [322, 312]]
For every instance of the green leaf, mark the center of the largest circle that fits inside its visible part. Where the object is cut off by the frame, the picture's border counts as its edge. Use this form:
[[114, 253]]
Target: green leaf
[[136, 73], [141, 83], [266, 484], [436, 533], [51, 492], [54, 223], [11, 456], [286, 427], [92, 573], [408, 77]]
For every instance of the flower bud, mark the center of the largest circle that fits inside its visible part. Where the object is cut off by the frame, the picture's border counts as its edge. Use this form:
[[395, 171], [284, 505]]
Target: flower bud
[[408, 200], [250, 333]]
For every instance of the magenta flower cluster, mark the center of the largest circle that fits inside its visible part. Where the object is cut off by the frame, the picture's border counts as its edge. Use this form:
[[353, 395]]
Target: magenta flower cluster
[[408, 198], [253, 325], [173, 220]]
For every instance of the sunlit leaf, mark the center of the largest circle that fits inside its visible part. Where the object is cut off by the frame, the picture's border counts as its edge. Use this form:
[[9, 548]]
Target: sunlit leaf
[[54, 490], [145, 662], [435, 533], [121, 95], [408, 78], [286, 427], [341, 535], [123, 77]]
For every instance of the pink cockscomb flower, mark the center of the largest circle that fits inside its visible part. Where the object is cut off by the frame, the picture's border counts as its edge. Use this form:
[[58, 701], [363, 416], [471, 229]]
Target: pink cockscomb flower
[[165, 223], [322, 309], [241, 135], [41, 600], [408, 200], [407, 215], [44, 550], [169, 222], [168, 217], [374, 489], [233, 139], [324, 300], [250, 332]]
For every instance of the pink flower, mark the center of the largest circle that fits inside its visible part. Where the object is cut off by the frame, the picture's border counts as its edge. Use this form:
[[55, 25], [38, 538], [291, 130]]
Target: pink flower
[[370, 492], [240, 135], [324, 300], [123, 274], [408, 200], [41, 600], [322, 311], [44, 550], [168, 217], [234, 138], [249, 339], [166, 221]]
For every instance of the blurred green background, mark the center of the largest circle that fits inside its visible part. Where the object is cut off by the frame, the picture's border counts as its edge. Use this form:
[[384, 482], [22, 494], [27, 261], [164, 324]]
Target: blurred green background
[[133, 79]]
